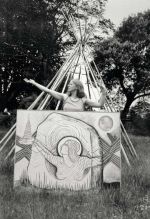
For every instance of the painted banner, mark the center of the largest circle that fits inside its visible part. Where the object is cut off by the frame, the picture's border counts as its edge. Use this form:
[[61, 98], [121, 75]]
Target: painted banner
[[67, 150]]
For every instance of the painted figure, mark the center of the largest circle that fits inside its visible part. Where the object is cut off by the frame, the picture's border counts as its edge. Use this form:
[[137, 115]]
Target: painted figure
[[67, 150], [70, 165]]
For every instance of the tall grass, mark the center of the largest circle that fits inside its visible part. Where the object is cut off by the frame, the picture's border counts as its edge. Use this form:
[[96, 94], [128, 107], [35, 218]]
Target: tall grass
[[130, 202]]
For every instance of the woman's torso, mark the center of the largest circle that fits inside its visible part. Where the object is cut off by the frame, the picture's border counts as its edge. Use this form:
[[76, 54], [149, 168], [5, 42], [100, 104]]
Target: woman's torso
[[71, 104]]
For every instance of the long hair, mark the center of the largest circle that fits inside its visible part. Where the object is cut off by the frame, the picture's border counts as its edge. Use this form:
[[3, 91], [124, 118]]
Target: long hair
[[80, 88]]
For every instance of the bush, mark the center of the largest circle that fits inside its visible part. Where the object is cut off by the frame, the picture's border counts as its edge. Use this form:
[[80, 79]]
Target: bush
[[141, 123]]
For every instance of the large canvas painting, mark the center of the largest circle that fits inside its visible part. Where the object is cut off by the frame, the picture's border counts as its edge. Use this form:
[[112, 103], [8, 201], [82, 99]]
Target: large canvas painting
[[67, 150]]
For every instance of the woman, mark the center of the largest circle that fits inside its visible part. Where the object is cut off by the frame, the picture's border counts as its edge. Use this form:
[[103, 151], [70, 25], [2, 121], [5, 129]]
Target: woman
[[75, 99]]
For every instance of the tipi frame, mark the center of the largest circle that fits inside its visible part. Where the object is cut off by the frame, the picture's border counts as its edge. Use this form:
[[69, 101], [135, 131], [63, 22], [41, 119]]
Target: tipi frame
[[69, 71]]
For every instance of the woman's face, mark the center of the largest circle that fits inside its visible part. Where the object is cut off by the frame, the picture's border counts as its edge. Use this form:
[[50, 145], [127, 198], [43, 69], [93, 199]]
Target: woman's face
[[71, 86]]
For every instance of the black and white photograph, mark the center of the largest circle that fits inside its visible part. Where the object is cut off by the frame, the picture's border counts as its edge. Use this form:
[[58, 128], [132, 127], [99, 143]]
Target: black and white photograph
[[74, 109]]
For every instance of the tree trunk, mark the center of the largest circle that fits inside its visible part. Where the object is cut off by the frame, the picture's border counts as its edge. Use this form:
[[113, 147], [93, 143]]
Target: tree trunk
[[126, 108]]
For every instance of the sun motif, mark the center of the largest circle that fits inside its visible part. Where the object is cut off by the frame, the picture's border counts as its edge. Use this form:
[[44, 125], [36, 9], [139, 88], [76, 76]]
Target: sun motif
[[106, 123]]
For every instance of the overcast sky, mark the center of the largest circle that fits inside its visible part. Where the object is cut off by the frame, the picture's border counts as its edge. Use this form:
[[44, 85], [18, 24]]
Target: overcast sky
[[117, 10]]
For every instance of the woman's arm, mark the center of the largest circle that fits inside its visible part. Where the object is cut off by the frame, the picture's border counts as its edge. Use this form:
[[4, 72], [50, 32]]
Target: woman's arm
[[53, 93], [101, 101]]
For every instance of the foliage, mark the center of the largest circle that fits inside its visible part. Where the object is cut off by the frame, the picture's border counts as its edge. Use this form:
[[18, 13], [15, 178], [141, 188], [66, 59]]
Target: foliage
[[140, 117], [125, 62], [135, 28], [35, 35], [31, 40], [92, 21]]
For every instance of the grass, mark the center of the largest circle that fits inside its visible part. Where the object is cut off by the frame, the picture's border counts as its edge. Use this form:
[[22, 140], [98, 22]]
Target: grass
[[131, 202]]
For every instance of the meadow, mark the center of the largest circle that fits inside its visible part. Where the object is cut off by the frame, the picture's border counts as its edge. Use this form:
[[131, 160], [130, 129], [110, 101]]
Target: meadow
[[132, 201]]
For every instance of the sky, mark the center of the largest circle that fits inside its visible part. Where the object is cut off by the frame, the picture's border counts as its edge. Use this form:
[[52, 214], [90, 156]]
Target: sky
[[117, 10]]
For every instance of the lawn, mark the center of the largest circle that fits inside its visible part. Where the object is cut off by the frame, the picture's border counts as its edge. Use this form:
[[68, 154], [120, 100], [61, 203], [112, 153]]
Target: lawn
[[132, 201]]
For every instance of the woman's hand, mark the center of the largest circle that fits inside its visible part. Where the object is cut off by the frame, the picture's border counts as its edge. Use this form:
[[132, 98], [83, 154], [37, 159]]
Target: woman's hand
[[103, 89], [55, 94], [103, 95], [29, 81]]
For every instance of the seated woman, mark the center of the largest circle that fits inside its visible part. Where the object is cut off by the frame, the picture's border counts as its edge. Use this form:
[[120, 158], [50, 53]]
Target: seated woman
[[75, 98]]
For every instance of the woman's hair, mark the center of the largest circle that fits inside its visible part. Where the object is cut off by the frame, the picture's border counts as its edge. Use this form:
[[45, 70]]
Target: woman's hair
[[80, 88], [73, 148]]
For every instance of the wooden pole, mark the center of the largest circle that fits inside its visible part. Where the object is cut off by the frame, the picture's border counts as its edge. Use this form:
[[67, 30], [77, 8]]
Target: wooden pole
[[57, 82], [126, 137], [68, 76], [29, 108]]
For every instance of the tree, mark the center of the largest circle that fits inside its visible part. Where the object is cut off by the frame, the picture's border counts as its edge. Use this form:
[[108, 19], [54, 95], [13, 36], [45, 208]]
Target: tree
[[32, 34], [124, 59], [30, 40]]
